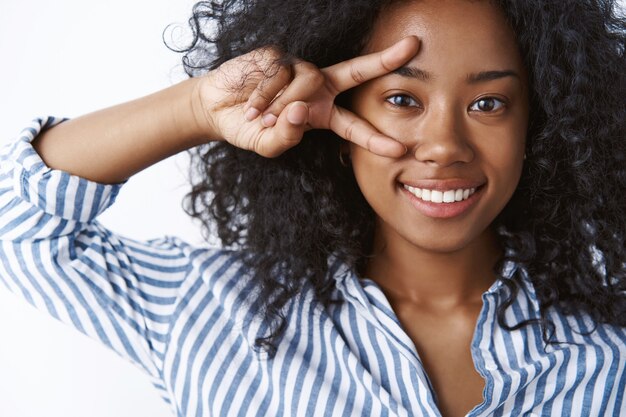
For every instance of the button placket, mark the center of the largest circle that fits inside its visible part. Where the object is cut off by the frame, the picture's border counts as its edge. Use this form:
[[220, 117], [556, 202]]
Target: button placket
[[483, 359], [356, 294]]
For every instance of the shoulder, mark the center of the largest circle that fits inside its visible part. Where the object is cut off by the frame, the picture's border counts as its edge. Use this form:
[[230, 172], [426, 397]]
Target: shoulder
[[580, 329], [224, 272], [574, 326], [209, 261]]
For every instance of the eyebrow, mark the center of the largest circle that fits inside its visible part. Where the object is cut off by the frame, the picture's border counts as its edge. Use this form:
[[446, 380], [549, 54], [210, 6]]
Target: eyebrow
[[474, 78], [413, 72], [490, 75]]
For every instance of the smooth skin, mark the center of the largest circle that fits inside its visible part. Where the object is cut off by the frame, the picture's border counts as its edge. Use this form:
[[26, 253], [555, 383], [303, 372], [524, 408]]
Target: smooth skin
[[400, 128], [460, 106]]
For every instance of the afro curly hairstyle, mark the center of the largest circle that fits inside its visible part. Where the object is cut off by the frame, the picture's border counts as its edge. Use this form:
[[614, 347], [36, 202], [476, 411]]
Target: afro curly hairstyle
[[565, 224]]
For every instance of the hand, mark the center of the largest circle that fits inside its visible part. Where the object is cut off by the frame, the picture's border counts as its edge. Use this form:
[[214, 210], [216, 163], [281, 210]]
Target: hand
[[257, 104]]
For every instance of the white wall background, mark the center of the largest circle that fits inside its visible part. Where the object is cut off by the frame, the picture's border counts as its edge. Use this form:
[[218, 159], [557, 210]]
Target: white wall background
[[67, 58]]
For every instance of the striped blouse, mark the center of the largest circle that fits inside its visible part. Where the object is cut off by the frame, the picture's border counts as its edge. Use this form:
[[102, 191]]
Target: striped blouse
[[182, 314]]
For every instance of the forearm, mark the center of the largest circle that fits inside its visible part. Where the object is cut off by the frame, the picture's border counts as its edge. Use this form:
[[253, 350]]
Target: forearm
[[110, 145]]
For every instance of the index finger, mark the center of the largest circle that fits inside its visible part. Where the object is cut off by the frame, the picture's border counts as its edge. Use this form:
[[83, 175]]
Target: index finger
[[348, 74]]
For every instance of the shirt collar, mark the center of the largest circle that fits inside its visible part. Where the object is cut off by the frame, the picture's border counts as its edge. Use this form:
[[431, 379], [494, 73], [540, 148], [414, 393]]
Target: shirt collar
[[350, 286], [347, 283]]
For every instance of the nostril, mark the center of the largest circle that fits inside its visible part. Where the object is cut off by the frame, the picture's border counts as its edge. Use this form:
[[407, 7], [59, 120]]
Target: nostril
[[443, 153]]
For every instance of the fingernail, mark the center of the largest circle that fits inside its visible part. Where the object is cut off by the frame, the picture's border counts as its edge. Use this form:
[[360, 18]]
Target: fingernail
[[252, 114], [297, 114], [269, 120]]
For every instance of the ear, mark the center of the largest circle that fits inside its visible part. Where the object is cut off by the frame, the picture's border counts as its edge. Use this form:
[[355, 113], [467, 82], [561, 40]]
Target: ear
[[344, 153]]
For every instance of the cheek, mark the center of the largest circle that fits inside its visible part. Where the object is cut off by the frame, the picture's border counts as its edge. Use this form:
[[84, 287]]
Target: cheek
[[502, 160], [500, 144], [371, 172], [365, 103]]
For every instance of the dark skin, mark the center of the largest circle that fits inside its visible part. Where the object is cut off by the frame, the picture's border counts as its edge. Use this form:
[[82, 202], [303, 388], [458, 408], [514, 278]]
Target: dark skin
[[460, 107], [453, 116]]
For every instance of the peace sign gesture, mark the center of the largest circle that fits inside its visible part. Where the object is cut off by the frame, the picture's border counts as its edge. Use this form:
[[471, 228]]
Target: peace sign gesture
[[256, 104]]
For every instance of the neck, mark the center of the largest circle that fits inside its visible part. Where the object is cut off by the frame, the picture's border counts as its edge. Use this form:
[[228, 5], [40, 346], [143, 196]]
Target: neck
[[409, 274]]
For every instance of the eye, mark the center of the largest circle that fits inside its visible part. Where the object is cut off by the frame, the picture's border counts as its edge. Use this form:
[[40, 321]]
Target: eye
[[487, 105], [402, 100]]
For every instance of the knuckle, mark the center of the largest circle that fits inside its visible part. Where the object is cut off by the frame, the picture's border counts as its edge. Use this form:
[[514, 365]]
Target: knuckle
[[386, 66], [368, 143], [349, 130], [357, 75], [311, 73], [316, 78], [305, 66]]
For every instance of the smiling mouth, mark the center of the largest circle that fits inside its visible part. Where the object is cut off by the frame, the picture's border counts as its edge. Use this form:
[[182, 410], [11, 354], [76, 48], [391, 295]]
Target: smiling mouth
[[441, 196]]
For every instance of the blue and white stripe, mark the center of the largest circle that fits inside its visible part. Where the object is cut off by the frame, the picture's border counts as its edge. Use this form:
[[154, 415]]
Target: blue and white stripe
[[183, 315]]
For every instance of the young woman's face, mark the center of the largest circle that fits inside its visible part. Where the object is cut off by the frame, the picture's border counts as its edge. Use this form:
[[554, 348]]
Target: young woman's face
[[461, 108]]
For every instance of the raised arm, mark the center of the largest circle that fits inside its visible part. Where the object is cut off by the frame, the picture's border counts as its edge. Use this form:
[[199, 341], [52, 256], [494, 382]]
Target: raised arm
[[110, 145], [58, 177]]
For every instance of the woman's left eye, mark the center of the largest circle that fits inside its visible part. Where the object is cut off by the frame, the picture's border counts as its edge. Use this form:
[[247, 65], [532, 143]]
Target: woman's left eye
[[402, 100], [487, 104]]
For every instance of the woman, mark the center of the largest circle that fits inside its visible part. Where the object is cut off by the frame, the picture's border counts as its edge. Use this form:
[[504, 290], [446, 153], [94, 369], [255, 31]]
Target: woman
[[460, 252]]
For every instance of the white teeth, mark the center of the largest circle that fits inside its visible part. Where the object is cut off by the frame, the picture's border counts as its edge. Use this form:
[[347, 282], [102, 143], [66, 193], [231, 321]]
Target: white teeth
[[437, 196], [458, 195], [448, 196]]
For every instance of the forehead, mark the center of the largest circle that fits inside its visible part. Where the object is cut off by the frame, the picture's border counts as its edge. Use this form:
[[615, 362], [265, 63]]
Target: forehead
[[452, 32]]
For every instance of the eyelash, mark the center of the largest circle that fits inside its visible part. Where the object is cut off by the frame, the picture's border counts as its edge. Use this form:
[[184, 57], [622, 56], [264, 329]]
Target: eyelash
[[391, 98], [475, 103], [500, 104]]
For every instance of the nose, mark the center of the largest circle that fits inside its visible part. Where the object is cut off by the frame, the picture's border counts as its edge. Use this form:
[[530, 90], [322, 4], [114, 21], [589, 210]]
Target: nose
[[441, 138]]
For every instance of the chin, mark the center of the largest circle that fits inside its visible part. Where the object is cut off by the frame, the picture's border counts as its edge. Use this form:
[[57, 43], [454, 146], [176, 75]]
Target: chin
[[441, 245], [444, 240]]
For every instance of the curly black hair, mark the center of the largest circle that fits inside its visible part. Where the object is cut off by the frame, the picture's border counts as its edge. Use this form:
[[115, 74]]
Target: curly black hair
[[565, 224]]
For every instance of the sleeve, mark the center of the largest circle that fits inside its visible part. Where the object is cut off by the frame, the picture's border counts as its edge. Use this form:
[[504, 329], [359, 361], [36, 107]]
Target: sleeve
[[55, 255]]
